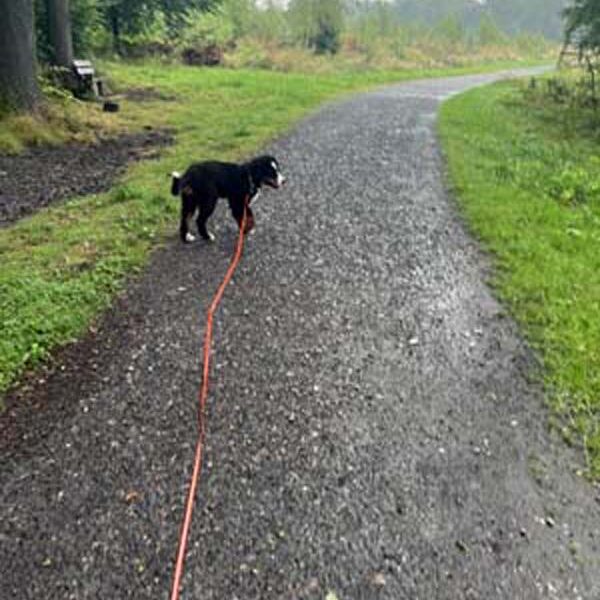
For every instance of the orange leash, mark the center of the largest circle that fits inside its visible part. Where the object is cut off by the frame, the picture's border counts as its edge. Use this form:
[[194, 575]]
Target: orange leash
[[203, 394]]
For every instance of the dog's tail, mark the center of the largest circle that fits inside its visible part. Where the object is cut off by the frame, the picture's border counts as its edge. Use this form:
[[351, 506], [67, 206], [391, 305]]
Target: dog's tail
[[175, 183]]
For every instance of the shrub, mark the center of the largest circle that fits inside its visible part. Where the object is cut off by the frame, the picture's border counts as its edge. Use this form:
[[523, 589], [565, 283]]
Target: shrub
[[317, 24], [205, 36], [574, 186], [152, 39]]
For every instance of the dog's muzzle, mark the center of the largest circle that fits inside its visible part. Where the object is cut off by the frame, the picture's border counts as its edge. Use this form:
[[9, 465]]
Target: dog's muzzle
[[277, 183]]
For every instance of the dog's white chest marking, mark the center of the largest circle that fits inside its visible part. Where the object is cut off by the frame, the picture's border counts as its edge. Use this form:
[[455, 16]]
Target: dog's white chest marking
[[255, 197]]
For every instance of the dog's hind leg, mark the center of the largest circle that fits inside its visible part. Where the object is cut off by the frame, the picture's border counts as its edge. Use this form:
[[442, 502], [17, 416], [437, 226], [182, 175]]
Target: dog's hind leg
[[206, 208], [187, 212]]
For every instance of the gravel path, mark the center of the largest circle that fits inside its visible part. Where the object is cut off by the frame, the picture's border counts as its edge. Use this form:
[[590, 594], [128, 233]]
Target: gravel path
[[374, 429]]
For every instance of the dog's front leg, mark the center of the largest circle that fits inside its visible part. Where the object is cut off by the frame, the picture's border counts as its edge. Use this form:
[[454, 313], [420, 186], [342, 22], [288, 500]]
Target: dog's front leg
[[237, 210]]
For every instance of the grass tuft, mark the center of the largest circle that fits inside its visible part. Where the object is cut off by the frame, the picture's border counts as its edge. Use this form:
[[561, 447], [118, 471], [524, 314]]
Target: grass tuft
[[59, 121]]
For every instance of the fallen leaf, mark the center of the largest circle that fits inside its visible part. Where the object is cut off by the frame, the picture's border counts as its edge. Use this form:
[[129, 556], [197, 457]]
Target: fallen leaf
[[133, 497]]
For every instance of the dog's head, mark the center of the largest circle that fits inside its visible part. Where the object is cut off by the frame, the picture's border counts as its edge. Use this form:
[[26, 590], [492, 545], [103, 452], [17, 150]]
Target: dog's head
[[265, 171]]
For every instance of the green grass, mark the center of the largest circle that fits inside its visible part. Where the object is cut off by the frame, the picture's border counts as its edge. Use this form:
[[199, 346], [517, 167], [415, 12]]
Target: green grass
[[60, 119], [527, 175], [61, 267]]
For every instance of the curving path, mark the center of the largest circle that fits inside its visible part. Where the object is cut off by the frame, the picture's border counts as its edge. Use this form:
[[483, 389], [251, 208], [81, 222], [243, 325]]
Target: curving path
[[375, 431]]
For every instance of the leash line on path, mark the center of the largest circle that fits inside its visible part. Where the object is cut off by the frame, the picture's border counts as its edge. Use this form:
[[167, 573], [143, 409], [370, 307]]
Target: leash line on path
[[202, 396]]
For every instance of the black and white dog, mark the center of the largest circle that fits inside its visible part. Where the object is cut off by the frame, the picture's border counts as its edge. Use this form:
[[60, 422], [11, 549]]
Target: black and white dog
[[204, 183]]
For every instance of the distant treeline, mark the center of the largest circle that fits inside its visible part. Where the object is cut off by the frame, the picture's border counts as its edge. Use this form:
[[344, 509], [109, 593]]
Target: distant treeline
[[512, 16], [143, 27]]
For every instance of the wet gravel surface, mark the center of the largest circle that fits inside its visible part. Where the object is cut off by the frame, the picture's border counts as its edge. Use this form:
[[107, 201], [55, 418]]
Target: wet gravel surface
[[40, 176], [375, 429]]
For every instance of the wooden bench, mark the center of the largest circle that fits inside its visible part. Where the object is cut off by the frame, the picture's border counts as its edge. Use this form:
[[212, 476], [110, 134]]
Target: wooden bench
[[86, 82]]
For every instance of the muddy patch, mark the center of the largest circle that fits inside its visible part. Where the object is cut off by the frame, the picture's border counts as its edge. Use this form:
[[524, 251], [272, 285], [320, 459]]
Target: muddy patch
[[40, 176]]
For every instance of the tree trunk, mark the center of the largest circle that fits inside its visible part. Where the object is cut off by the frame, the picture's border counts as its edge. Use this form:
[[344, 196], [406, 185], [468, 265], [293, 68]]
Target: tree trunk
[[18, 84], [115, 28], [59, 32]]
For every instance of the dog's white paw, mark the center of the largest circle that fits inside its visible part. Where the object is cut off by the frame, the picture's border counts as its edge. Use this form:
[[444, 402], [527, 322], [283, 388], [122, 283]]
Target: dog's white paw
[[190, 238], [211, 237]]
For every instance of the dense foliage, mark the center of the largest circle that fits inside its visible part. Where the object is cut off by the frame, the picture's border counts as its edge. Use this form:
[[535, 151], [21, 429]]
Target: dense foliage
[[582, 32], [583, 25], [116, 25], [146, 27]]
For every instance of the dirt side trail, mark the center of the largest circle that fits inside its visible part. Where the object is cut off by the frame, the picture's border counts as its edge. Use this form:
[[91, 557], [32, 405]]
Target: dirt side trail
[[375, 426], [38, 177]]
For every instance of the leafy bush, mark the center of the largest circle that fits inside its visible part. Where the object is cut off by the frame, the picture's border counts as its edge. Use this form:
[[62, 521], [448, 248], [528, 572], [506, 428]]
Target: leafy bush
[[88, 29], [317, 24], [251, 54], [575, 185], [583, 25], [571, 88], [151, 39], [202, 29]]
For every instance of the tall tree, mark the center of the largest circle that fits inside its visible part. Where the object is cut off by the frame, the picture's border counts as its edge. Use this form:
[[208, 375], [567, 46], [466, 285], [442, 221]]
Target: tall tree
[[59, 32], [18, 85]]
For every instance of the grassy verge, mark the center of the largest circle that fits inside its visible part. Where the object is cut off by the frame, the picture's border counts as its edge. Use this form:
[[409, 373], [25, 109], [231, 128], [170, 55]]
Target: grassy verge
[[61, 119], [60, 268], [527, 175]]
